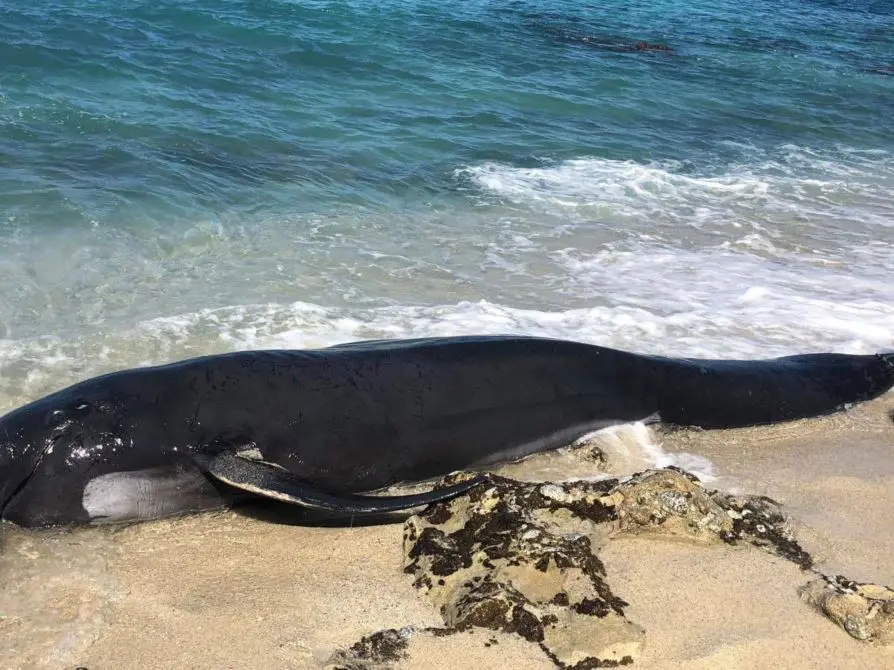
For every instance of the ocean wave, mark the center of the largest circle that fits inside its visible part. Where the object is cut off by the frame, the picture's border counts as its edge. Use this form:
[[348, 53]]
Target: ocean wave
[[634, 447], [790, 185], [588, 182]]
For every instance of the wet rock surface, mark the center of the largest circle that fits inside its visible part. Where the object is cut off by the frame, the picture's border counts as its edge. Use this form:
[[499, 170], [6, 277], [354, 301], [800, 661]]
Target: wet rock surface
[[865, 611]]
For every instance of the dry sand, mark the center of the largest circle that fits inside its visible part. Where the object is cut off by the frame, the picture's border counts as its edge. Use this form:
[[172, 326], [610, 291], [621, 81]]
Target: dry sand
[[227, 590]]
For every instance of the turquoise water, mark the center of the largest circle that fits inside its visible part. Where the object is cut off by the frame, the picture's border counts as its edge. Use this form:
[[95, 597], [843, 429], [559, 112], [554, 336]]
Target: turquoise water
[[180, 178]]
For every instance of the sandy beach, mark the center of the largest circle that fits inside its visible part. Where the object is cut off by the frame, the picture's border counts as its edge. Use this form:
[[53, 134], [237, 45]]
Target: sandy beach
[[228, 590]]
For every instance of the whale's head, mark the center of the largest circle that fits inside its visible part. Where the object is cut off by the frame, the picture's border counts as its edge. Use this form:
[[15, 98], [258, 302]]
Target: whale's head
[[25, 440], [50, 439]]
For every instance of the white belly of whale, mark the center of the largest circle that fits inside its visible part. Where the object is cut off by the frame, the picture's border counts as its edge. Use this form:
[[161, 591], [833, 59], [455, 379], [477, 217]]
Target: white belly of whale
[[147, 494]]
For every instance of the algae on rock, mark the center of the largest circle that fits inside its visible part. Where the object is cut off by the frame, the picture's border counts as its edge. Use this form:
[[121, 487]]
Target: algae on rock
[[865, 611], [522, 558]]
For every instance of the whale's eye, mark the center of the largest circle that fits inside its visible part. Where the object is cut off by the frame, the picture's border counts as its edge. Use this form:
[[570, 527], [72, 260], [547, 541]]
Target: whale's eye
[[62, 417], [79, 408]]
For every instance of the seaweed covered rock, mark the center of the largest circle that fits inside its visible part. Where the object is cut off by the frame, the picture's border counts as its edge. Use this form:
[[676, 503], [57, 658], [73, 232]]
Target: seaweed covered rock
[[522, 557], [674, 503], [759, 521], [504, 558], [865, 611], [670, 502], [412, 647], [377, 651]]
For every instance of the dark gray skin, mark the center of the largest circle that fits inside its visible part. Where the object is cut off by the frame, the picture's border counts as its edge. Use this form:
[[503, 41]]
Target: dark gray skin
[[364, 416]]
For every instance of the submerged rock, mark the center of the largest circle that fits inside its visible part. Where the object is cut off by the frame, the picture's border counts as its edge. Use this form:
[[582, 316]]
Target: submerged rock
[[648, 46], [865, 611]]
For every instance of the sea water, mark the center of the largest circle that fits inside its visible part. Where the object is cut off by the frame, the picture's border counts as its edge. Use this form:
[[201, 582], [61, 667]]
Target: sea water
[[181, 178]]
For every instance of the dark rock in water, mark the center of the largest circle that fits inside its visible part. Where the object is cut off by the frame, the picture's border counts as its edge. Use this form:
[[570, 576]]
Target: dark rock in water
[[865, 611], [647, 46], [609, 45], [563, 33], [567, 29]]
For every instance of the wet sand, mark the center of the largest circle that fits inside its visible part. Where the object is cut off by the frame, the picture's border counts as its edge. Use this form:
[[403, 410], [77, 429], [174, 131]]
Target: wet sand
[[227, 590]]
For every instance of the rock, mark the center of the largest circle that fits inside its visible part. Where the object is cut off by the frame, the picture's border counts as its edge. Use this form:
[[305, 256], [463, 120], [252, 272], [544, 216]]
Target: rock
[[865, 611], [379, 650], [674, 503], [648, 46], [669, 502], [759, 520], [503, 559], [426, 647], [521, 558]]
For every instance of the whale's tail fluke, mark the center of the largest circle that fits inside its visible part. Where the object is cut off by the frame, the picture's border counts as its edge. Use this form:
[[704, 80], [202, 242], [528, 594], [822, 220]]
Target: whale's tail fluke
[[731, 394]]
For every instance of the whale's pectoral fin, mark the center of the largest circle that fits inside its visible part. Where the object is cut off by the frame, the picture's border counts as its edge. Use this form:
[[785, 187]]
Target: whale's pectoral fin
[[273, 482]]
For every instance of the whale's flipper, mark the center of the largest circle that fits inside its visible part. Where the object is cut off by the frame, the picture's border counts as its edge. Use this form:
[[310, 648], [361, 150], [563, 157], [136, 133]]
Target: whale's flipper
[[273, 482]]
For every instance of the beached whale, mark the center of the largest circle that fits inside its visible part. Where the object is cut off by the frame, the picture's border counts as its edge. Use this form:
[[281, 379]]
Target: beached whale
[[317, 427]]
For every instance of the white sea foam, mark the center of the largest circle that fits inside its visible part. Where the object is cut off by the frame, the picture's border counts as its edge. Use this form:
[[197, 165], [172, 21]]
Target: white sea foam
[[628, 185], [633, 447], [780, 194], [741, 303]]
